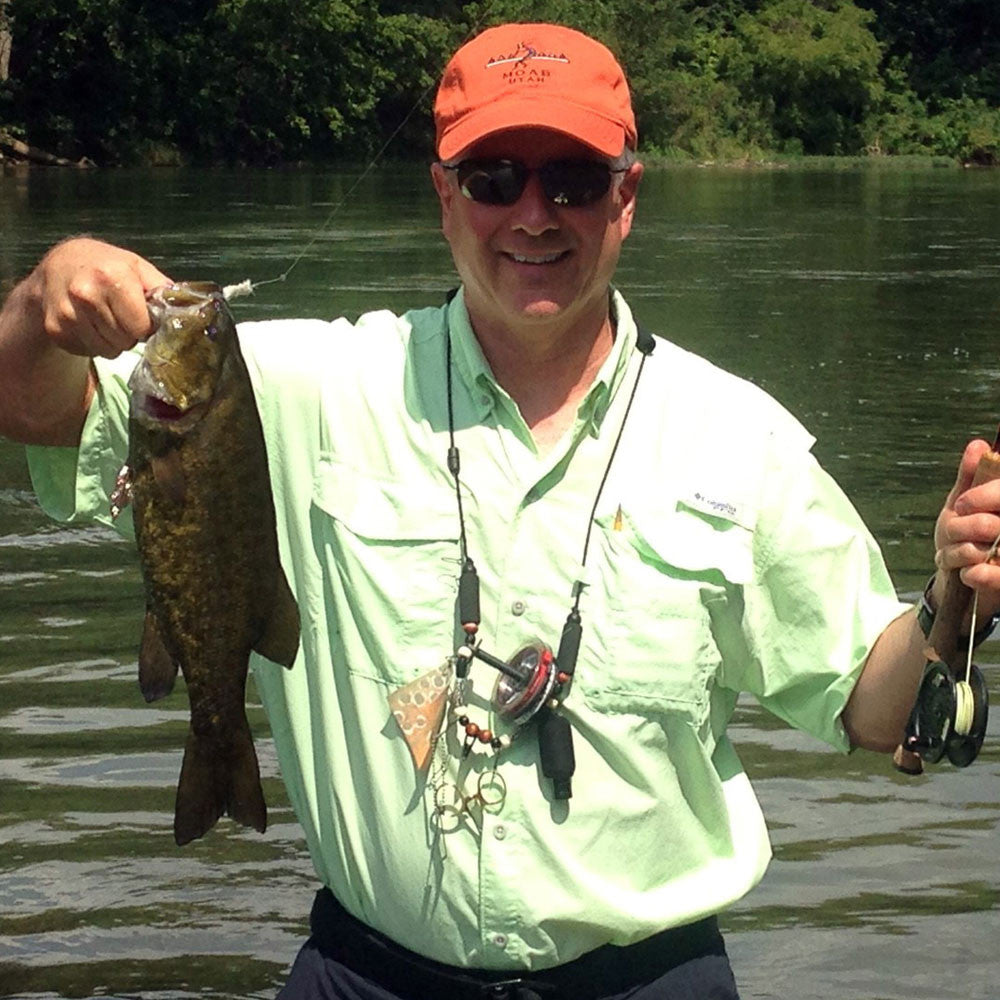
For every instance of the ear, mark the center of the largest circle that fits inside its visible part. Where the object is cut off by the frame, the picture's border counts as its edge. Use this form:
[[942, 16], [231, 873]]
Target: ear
[[628, 192], [446, 191]]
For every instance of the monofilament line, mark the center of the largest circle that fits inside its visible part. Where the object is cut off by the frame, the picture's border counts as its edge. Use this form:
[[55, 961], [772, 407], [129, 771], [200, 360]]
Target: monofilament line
[[975, 604], [246, 287]]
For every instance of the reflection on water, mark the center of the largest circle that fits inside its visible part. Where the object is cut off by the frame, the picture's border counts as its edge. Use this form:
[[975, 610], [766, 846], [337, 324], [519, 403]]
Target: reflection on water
[[865, 301]]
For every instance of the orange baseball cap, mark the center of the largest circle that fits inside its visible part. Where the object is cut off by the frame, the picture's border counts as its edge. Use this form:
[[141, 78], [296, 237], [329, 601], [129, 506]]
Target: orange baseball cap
[[544, 75]]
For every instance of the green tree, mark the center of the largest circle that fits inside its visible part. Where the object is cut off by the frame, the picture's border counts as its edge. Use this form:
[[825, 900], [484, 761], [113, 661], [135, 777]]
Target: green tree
[[942, 73], [244, 80], [278, 80], [811, 68], [949, 49]]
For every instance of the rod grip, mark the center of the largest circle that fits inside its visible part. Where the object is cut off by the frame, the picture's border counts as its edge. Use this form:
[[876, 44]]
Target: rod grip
[[555, 751], [468, 595]]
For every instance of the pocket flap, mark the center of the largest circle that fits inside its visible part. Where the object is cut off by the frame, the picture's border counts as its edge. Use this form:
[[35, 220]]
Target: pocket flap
[[385, 509], [695, 541]]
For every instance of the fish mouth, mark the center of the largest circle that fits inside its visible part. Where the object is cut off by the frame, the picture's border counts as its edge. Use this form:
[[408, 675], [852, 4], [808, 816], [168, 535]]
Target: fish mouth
[[162, 411], [154, 406]]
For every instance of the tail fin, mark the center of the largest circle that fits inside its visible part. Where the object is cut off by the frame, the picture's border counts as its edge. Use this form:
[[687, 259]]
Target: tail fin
[[219, 779]]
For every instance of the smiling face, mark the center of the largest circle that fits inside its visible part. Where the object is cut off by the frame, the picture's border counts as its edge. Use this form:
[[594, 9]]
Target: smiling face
[[535, 266]]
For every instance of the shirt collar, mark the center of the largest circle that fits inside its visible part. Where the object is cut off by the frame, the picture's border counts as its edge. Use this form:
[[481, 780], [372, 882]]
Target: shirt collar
[[474, 370]]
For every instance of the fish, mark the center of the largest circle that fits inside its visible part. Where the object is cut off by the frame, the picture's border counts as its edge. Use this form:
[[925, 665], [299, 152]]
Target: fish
[[198, 482]]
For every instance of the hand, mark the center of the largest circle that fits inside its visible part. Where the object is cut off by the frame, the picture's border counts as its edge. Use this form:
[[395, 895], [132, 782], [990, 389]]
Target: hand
[[92, 297], [966, 528]]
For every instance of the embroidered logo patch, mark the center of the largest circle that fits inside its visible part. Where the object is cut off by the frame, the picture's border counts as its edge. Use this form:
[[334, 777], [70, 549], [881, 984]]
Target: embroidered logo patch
[[523, 53]]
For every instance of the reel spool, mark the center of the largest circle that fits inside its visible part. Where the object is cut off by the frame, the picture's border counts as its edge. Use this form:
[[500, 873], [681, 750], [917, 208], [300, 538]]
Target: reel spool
[[949, 716], [527, 683]]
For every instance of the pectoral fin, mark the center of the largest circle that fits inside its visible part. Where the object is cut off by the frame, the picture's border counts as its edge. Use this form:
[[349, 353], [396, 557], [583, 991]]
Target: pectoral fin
[[280, 639], [157, 669]]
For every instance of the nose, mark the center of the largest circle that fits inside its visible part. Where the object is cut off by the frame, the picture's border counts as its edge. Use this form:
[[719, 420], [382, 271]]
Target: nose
[[533, 213]]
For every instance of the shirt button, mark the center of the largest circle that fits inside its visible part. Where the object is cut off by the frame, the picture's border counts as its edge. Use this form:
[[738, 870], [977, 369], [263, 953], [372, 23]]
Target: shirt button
[[500, 940], [499, 831], [518, 608]]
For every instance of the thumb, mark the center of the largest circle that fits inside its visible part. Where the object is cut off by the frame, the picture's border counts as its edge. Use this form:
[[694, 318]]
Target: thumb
[[150, 276], [974, 451]]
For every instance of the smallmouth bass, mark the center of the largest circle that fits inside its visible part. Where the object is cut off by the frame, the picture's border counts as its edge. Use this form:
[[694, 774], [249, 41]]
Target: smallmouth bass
[[197, 479]]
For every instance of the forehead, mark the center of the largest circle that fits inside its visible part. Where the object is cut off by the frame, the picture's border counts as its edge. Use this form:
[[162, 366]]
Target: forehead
[[530, 145]]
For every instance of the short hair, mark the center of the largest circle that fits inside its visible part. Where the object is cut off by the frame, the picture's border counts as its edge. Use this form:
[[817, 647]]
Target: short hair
[[624, 160]]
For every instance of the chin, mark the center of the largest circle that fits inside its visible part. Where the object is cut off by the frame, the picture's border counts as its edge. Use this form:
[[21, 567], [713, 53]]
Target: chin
[[541, 309]]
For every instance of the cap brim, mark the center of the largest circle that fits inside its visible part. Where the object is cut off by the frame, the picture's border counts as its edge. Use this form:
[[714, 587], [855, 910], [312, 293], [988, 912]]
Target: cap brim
[[604, 136]]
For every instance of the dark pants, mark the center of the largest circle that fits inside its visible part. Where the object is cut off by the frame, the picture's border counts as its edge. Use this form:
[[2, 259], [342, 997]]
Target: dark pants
[[346, 960]]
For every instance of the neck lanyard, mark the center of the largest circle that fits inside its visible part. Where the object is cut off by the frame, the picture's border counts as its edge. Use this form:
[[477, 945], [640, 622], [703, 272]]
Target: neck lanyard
[[533, 682]]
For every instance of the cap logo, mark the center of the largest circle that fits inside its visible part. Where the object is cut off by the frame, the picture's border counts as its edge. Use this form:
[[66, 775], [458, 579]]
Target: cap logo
[[523, 53]]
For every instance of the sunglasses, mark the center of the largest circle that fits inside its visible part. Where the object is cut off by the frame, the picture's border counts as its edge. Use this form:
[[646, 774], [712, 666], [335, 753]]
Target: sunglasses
[[567, 183]]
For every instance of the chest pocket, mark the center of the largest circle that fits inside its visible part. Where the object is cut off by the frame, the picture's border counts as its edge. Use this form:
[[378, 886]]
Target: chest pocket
[[667, 579], [390, 558]]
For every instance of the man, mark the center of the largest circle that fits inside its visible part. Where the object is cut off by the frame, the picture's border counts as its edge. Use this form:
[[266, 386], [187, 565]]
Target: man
[[598, 492]]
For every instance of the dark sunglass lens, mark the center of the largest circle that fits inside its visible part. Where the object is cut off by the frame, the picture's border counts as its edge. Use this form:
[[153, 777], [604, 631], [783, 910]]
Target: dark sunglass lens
[[492, 182], [575, 182]]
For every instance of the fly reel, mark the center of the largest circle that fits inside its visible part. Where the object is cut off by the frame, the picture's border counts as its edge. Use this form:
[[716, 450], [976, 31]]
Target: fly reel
[[531, 686], [527, 684], [949, 717]]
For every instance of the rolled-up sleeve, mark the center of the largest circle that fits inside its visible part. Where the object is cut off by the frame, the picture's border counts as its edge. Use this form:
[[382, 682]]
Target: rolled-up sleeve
[[820, 597], [75, 484]]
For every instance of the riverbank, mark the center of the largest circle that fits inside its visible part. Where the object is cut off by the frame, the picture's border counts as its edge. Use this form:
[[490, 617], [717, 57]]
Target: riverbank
[[15, 155], [657, 160]]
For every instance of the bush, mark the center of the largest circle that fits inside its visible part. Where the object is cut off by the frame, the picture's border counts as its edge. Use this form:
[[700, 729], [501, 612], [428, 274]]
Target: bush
[[811, 70]]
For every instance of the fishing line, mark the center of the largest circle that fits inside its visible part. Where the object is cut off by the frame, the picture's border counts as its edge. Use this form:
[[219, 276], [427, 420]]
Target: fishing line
[[247, 286], [965, 707]]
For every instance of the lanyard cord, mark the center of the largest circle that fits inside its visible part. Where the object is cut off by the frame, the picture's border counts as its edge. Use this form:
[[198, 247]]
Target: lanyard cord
[[468, 586]]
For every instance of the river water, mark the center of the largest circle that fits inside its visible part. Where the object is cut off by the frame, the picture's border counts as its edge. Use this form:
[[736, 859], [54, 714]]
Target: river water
[[866, 300]]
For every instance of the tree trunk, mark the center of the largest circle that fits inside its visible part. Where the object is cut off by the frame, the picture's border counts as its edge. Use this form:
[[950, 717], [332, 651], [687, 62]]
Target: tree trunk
[[5, 41], [23, 151]]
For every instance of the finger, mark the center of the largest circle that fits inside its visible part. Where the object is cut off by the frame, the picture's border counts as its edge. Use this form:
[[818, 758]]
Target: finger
[[974, 451], [133, 314], [984, 577], [95, 303], [978, 499], [77, 328], [978, 528], [962, 555], [129, 314], [110, 300]]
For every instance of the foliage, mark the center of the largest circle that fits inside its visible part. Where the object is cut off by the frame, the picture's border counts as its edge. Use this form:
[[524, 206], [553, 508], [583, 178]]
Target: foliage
[[269, 81], [962, 128], [948, 49], [810, 69], [243, 80]]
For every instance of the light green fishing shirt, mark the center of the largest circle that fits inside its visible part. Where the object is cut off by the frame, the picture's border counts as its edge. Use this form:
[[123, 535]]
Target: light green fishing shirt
[[722, 560]]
